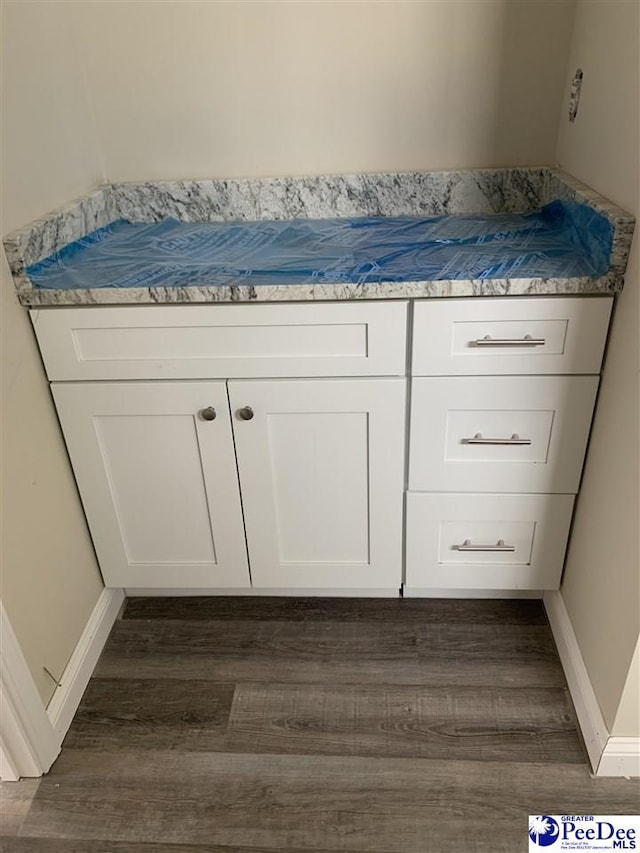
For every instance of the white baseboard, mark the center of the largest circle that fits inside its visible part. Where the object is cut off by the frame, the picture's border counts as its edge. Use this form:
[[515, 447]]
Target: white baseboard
[[28, 743], [592, 725], [78, 671], [621, 757], [8, 769]]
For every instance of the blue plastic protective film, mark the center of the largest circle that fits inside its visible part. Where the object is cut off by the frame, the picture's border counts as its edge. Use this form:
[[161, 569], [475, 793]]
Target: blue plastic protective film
[[561, 240]]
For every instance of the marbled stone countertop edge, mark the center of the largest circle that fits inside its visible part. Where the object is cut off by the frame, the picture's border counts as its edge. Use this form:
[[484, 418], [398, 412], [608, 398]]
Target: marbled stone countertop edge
[[428, 192], [605, 285]]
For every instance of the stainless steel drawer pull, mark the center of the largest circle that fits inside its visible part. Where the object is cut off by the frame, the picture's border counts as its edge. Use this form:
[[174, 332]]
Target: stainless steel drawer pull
[[479, 439], [499, 546], [527, 341]]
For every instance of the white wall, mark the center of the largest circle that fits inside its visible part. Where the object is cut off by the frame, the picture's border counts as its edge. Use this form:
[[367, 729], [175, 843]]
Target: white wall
[[50, 581], [601, 585], [188, 89]]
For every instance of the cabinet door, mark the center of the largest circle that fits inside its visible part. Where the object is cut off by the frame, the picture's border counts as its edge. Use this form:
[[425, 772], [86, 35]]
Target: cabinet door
[[158, 481], [321, 468]]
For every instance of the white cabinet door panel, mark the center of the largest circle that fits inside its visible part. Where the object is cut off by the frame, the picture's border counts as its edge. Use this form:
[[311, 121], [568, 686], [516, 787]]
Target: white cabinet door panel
[[321, 473], [328, 451], [486, 541], [458, 424], [158, 481]]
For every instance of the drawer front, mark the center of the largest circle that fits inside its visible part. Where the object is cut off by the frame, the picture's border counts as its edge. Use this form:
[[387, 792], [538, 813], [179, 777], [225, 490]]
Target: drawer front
[[509, 336], [486, 541], [499, 434], [223, 341]]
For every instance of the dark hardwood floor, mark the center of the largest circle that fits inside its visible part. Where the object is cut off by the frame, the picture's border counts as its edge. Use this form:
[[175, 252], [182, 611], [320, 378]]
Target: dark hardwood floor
[[252, 725]]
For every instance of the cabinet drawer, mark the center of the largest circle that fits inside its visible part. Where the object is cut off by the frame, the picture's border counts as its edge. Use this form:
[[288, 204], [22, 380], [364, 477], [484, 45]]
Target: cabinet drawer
[[486, 541], [509, 336], [499, 434], [223, 341]]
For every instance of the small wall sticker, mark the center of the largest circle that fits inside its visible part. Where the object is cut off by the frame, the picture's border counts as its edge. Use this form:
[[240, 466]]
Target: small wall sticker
[[574, 97]]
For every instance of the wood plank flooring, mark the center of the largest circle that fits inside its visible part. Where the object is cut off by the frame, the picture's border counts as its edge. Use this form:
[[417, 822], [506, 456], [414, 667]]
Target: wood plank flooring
[[345, 652], [15, 800], [408, 722], [254, 725]]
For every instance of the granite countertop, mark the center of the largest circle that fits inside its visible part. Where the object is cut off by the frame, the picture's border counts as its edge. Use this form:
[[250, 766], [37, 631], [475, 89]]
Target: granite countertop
[[474, 193]]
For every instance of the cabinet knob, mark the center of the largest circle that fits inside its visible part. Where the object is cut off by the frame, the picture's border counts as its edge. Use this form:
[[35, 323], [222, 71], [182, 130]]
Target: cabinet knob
[[245, 414], [208, 414]]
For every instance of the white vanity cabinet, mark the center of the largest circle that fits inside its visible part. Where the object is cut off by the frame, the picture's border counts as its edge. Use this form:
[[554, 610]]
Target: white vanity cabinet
[[237, 447], [291, 480]]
